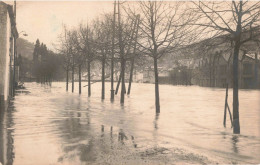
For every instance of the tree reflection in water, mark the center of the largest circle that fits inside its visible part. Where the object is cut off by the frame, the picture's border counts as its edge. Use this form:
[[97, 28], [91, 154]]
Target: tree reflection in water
[[122, 136], [80, 136], [235, 140]]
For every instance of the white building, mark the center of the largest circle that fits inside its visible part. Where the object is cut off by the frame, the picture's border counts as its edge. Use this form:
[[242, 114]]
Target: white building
[[7, 33]]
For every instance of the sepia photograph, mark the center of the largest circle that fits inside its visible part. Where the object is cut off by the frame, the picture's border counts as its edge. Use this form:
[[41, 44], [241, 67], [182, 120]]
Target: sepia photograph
[[129, 82]]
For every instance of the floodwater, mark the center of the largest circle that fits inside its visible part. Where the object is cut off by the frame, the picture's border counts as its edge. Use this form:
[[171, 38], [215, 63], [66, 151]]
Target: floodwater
[[46, 125]]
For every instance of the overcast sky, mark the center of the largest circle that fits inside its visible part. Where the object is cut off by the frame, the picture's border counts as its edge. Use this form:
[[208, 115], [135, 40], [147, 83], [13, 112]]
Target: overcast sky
[[44, 19]]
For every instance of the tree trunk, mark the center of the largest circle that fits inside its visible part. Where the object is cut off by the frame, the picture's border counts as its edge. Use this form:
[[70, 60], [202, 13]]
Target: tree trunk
[[112, 91], [131, 77], [89, 84], [225, 107], [256, 71], [157, 98], [67, 80], [210, 71], [50, 81], [118, 83], [122, 99], [124, 88], [213, 72], [79, 79], [103, 79], [112, 59], [72, 78], [236, 128]]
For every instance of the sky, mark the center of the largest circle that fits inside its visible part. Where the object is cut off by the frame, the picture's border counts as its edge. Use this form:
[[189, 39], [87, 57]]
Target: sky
[[45, 19]]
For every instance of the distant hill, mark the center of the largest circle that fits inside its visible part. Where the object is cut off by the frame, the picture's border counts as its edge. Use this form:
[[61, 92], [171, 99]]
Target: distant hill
[[25, 48]]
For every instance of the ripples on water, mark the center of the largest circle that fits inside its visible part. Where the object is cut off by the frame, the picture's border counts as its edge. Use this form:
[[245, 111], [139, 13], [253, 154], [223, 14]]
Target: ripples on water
[[46, 125]]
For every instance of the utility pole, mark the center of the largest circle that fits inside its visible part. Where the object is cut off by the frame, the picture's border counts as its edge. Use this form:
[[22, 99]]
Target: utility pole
[[112, 59], [122, 56], [136, 27]]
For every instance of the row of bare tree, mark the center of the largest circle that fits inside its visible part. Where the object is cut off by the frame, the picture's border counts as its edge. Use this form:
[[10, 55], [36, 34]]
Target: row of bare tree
[[103, 40], [153, 29]]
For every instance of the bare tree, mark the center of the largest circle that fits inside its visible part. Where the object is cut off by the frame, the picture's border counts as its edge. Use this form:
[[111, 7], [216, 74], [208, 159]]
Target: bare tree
[[161, 30], [86, 45], [239, 20], [126, 32], [132, 60], [72, 51], [103, 29], [80, 54], [65, 49], [112, 94]]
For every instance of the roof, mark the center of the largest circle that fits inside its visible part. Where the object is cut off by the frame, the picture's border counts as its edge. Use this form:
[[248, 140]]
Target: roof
[[222, 43], [240, 57], [252, 55], [12, 19]]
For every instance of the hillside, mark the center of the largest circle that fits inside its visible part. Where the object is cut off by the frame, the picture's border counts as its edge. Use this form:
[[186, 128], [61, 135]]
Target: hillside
[[25, 48]]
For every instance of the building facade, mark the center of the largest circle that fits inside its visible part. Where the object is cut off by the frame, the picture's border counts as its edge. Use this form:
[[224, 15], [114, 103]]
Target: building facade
[[218, 71], [8, 34]]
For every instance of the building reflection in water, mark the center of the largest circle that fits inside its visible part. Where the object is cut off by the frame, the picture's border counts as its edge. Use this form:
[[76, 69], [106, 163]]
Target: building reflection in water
[[7, 154]]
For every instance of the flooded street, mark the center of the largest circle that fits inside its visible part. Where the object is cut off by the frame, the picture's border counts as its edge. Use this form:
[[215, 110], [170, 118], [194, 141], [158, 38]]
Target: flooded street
[[47, 125]]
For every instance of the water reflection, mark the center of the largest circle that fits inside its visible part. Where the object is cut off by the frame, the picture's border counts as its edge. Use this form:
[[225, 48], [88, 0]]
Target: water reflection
[[2, 137], [156, 121], [80, 137], [111, 138], [224, 135], [77, 139], [133, 141], [10, 132], [88, 152], [102, 131], [121, 136], [7, 154], [235, 140]]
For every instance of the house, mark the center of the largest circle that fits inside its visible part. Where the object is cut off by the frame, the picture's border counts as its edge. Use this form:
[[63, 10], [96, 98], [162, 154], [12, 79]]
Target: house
[[163, 75], [217, 71], [249, 71], [8, 33]]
